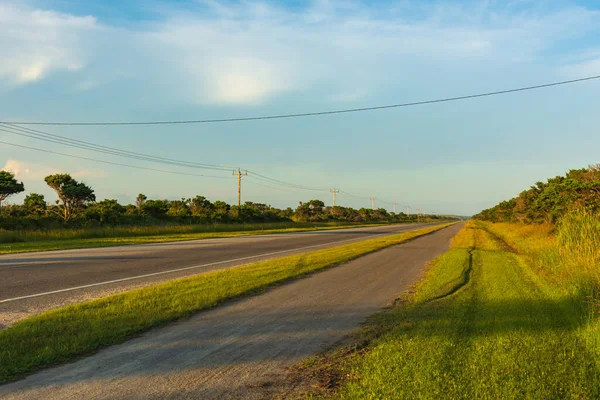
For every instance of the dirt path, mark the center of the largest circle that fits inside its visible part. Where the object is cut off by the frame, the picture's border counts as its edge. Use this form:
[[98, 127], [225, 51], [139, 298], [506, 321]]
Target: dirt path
[[242, 349]]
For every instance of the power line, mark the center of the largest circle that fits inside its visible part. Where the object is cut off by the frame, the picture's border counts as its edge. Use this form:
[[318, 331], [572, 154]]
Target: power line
[[110, 162], [270, 187], [63, 140], [168, 171], [277, 181], [311, 114]]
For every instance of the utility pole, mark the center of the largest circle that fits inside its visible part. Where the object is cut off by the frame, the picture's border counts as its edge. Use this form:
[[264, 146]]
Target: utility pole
[[395, 204], [408, 210], [239, 176], [334, 192], [373, 202]]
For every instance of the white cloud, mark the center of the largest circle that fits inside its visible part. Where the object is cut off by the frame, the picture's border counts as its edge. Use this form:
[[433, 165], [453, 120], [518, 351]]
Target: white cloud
[[31, 171], [36, 42], [28, 171], [583, 68], [251, 52]]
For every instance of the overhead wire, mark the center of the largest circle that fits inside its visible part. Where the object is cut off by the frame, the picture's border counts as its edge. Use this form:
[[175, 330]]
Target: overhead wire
[[270, 187], [308, 114], [63, 140], [110, 162], [292, 188]]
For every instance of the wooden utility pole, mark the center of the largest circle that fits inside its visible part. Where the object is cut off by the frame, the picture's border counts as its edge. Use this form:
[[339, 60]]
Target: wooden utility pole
[[334, 192], [373, 202], [395, 204], [239, 176]]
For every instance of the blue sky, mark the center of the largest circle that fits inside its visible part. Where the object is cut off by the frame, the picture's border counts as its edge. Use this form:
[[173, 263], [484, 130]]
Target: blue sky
[[154, 60]]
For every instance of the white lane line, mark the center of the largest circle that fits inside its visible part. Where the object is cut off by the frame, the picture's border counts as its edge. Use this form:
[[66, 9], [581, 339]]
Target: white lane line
[[178, 270], [214, 241]]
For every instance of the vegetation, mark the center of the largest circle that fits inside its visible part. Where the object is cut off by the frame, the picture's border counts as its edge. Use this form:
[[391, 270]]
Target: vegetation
[[483, 324], [77, 215], [9, 185], [59, 335], [511, 311], [548, 202]]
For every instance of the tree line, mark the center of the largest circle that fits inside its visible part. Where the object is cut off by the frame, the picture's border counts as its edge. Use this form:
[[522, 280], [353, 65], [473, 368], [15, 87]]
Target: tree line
[[77, 207], [548, 202]]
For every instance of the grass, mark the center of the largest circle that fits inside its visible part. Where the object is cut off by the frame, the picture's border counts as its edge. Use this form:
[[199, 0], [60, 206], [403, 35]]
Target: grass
[[568, 254], [63, 334], [483, 324], [64, 239]]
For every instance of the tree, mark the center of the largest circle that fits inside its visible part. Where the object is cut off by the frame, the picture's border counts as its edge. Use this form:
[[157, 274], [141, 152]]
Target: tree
[[201, 206], [140, 200], [179, 208], [155, 208], [9, 185], [73, 195], [35, 204], [105, 211]]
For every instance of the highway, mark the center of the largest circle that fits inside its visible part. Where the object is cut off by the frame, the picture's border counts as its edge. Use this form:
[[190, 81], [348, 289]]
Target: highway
[[244, 348], [34, 282]]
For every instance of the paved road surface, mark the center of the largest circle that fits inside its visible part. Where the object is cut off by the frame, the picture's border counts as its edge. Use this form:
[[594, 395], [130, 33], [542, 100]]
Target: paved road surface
[[30, 274], [241, 349]]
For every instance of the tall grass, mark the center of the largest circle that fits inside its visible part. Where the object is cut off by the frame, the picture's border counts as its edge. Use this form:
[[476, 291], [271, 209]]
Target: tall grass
[[579, 239], [567, 253]]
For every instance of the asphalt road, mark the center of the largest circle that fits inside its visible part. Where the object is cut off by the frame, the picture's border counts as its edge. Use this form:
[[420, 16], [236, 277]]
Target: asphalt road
[[242, 349], [34, 282]]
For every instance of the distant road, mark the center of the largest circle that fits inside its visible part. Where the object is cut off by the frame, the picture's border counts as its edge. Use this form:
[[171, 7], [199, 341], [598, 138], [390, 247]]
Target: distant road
[[61, 277], [242, 349]]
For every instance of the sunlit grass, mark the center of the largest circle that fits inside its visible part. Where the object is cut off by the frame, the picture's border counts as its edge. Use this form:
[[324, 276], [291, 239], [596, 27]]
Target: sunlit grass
[[483, 324], [60, 335]]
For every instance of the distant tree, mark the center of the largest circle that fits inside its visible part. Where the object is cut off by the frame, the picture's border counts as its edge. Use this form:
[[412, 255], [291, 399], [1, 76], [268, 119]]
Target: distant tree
[[221, 211], [155, 208], [35, 204], [9, 185], [105, 211], [179, 208], [140, 200], [73, 195], [201, 206], [310, 211]]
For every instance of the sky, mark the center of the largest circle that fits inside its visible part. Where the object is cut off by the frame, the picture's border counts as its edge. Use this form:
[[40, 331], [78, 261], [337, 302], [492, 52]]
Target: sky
[[67, 60]]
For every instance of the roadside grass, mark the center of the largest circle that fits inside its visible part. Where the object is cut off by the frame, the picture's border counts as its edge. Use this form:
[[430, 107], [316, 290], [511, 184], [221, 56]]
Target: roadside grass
[[567, 254], [30, 241], [483, 324], [66, 333]]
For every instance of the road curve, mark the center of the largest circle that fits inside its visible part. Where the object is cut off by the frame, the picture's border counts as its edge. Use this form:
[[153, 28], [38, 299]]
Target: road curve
[[34, 282], [241, 349]]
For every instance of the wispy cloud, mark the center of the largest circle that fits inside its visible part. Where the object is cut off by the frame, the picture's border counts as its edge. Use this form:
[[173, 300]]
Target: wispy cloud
[[29, 171], [35, 42], [252, 52]]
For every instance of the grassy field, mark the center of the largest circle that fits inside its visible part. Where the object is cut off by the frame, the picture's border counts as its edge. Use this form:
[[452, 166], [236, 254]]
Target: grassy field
[[483, 324], [60, 335], [64, 239]]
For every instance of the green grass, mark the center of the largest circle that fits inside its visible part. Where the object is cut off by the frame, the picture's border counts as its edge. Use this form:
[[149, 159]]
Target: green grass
[[60, 335], [64, 239], [484, 325]]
